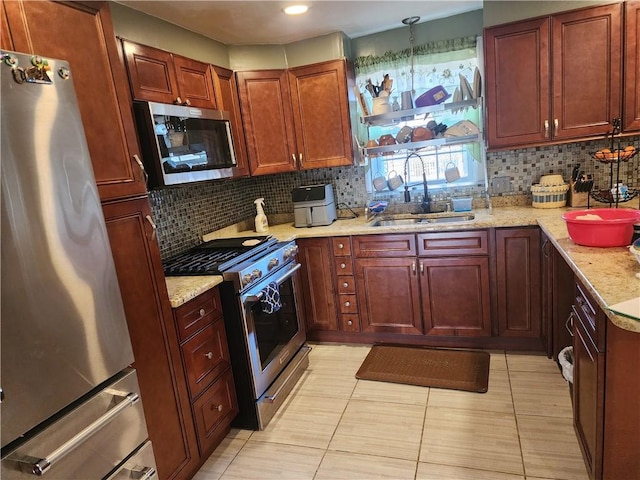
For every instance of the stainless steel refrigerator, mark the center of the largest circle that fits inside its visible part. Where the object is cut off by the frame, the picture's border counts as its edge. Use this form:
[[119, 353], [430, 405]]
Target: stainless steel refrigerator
[[70, 402]]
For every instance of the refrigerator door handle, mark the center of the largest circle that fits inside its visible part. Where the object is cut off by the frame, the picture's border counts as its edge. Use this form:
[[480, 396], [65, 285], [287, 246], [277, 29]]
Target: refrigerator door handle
[[40, 466]]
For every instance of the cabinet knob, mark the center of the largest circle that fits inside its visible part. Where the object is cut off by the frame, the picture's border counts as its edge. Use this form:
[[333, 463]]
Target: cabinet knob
[[343, 265], [345, 284], [341, 246], [202, 312], [216, 407], [347, 304], [178, 101], [187, 102], [209, 355], [349, 322]]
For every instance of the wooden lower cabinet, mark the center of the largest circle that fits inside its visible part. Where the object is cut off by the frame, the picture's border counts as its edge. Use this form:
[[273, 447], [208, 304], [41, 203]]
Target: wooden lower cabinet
[[163, 387], [316, 278], [606, 390], [519, 282], [455, 296], [389, 295], [207, 367]]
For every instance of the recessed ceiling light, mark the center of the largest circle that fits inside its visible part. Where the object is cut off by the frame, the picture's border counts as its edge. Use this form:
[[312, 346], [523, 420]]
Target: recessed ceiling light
[[295, 9]]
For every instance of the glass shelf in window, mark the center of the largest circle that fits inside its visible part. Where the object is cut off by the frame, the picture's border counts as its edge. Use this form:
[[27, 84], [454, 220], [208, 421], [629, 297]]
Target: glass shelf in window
[[409, 115], [436, 142]]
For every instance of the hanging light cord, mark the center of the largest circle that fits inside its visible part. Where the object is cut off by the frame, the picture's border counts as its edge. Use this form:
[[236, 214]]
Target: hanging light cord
[[411, 21]]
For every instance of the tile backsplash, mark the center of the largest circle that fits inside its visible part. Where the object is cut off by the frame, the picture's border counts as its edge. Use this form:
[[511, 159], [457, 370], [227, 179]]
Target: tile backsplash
[[183, 214]]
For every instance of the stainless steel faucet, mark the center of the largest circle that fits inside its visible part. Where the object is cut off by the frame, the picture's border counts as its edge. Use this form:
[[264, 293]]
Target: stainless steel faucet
[[426, 203]]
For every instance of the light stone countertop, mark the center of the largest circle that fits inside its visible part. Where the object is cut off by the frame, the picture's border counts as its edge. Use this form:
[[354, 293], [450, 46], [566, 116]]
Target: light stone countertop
[[608, 273]]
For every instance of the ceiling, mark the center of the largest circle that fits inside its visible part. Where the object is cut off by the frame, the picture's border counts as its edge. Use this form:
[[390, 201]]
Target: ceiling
[[263, 22]]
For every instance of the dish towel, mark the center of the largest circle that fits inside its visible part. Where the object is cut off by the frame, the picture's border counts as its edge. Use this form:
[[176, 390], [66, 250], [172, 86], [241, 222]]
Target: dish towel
[[271, 298]]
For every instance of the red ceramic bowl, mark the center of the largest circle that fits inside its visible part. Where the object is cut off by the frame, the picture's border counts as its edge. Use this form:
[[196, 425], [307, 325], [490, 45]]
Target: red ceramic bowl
[[602, 227]]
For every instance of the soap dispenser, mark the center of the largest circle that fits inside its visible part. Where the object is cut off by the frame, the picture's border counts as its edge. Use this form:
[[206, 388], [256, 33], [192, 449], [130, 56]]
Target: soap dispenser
[[262, 225]]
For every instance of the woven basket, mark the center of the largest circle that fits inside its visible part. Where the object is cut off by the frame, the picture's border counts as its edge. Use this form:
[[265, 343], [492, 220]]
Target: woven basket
[[549, 196]]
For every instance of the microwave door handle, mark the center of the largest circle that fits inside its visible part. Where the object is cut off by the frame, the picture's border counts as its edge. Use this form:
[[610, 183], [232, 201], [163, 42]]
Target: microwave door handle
[[258, 296]]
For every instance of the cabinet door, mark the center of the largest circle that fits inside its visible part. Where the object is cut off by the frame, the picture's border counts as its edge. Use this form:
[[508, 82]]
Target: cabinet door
[[146, 302], [388, 295], [5, 36], [318, 292], [195, 84], [587, 71], [519, 291], [151, 73], [517, 60], [455, 296], [268, 123], [58, 30], [321, 114], [588, 392], [632, 67], [225, 89]]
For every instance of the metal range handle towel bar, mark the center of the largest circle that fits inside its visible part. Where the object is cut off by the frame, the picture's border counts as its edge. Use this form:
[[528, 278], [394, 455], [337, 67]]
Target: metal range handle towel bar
[[258, 296], [40, 466]]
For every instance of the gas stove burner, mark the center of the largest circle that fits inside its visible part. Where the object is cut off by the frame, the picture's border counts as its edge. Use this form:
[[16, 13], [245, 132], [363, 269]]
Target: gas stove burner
[[216, 256]]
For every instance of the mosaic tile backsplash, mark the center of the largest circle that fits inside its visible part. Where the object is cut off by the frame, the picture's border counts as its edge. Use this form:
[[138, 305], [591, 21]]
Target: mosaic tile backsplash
[[183, 214]]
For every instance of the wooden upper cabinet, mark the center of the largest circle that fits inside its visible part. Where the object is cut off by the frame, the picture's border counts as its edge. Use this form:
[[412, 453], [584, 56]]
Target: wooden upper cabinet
[[159, 76], [631, 119], [267, 121], [517, 83], [321, 114], [297, 119], [555, 78], [587, 71], [225, 89], [57, 30]]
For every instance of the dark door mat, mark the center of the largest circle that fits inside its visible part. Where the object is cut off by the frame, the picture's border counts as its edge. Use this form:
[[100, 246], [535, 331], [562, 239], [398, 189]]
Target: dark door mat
[[427, 367]]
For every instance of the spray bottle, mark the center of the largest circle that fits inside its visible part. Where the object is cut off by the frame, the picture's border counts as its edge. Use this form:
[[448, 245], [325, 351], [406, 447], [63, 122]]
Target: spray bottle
[[262, 225]]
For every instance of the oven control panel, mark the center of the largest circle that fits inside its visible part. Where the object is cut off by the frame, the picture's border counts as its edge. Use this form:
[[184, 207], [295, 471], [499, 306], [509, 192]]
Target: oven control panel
[[254, 269]]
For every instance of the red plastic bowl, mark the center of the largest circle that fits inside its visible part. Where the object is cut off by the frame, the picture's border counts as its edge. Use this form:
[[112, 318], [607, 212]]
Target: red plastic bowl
[[615, 229]]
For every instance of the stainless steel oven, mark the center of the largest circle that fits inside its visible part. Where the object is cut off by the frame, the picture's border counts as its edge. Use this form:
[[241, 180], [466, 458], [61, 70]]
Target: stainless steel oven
[[263, 318]]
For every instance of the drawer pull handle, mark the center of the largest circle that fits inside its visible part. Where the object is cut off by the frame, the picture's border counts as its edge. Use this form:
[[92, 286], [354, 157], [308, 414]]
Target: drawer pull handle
[[40, 466], [555, 126], [202, 312], [349, 322], [569, 324], [209, 355], [546, 128], [343, 265], [345, 285], [218, 408], [341, 246], [347, 304], [153, 226]]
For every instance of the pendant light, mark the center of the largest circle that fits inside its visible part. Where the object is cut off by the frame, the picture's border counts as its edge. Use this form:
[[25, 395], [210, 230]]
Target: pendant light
[[411, 21]]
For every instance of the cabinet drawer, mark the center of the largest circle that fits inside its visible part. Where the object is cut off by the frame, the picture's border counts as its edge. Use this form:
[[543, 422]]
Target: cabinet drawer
[[214, 411], [473, 242], [197, 313], [344, 266], [350, 322], [373, 246], [341, 246], [347, 304], [346, 284], [590, 316], [206, 355]]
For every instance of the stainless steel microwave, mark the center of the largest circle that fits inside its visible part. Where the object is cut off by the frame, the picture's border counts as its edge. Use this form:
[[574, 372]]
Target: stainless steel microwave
[[184, 144]]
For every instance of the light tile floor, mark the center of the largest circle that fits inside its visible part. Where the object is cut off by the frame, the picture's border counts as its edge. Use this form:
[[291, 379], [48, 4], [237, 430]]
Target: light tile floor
[[335, 427]]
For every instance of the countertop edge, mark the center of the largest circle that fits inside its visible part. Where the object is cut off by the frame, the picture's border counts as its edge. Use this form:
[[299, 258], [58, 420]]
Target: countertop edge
[[579, 258]]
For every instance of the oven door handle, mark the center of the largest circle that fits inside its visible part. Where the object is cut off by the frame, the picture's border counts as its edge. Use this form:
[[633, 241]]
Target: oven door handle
[[259, 295]]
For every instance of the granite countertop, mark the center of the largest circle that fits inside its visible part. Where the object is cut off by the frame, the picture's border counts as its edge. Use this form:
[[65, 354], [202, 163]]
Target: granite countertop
[[608, 273]]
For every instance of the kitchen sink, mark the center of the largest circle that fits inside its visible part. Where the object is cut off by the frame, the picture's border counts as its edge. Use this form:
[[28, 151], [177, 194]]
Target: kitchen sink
[[425, 218]]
